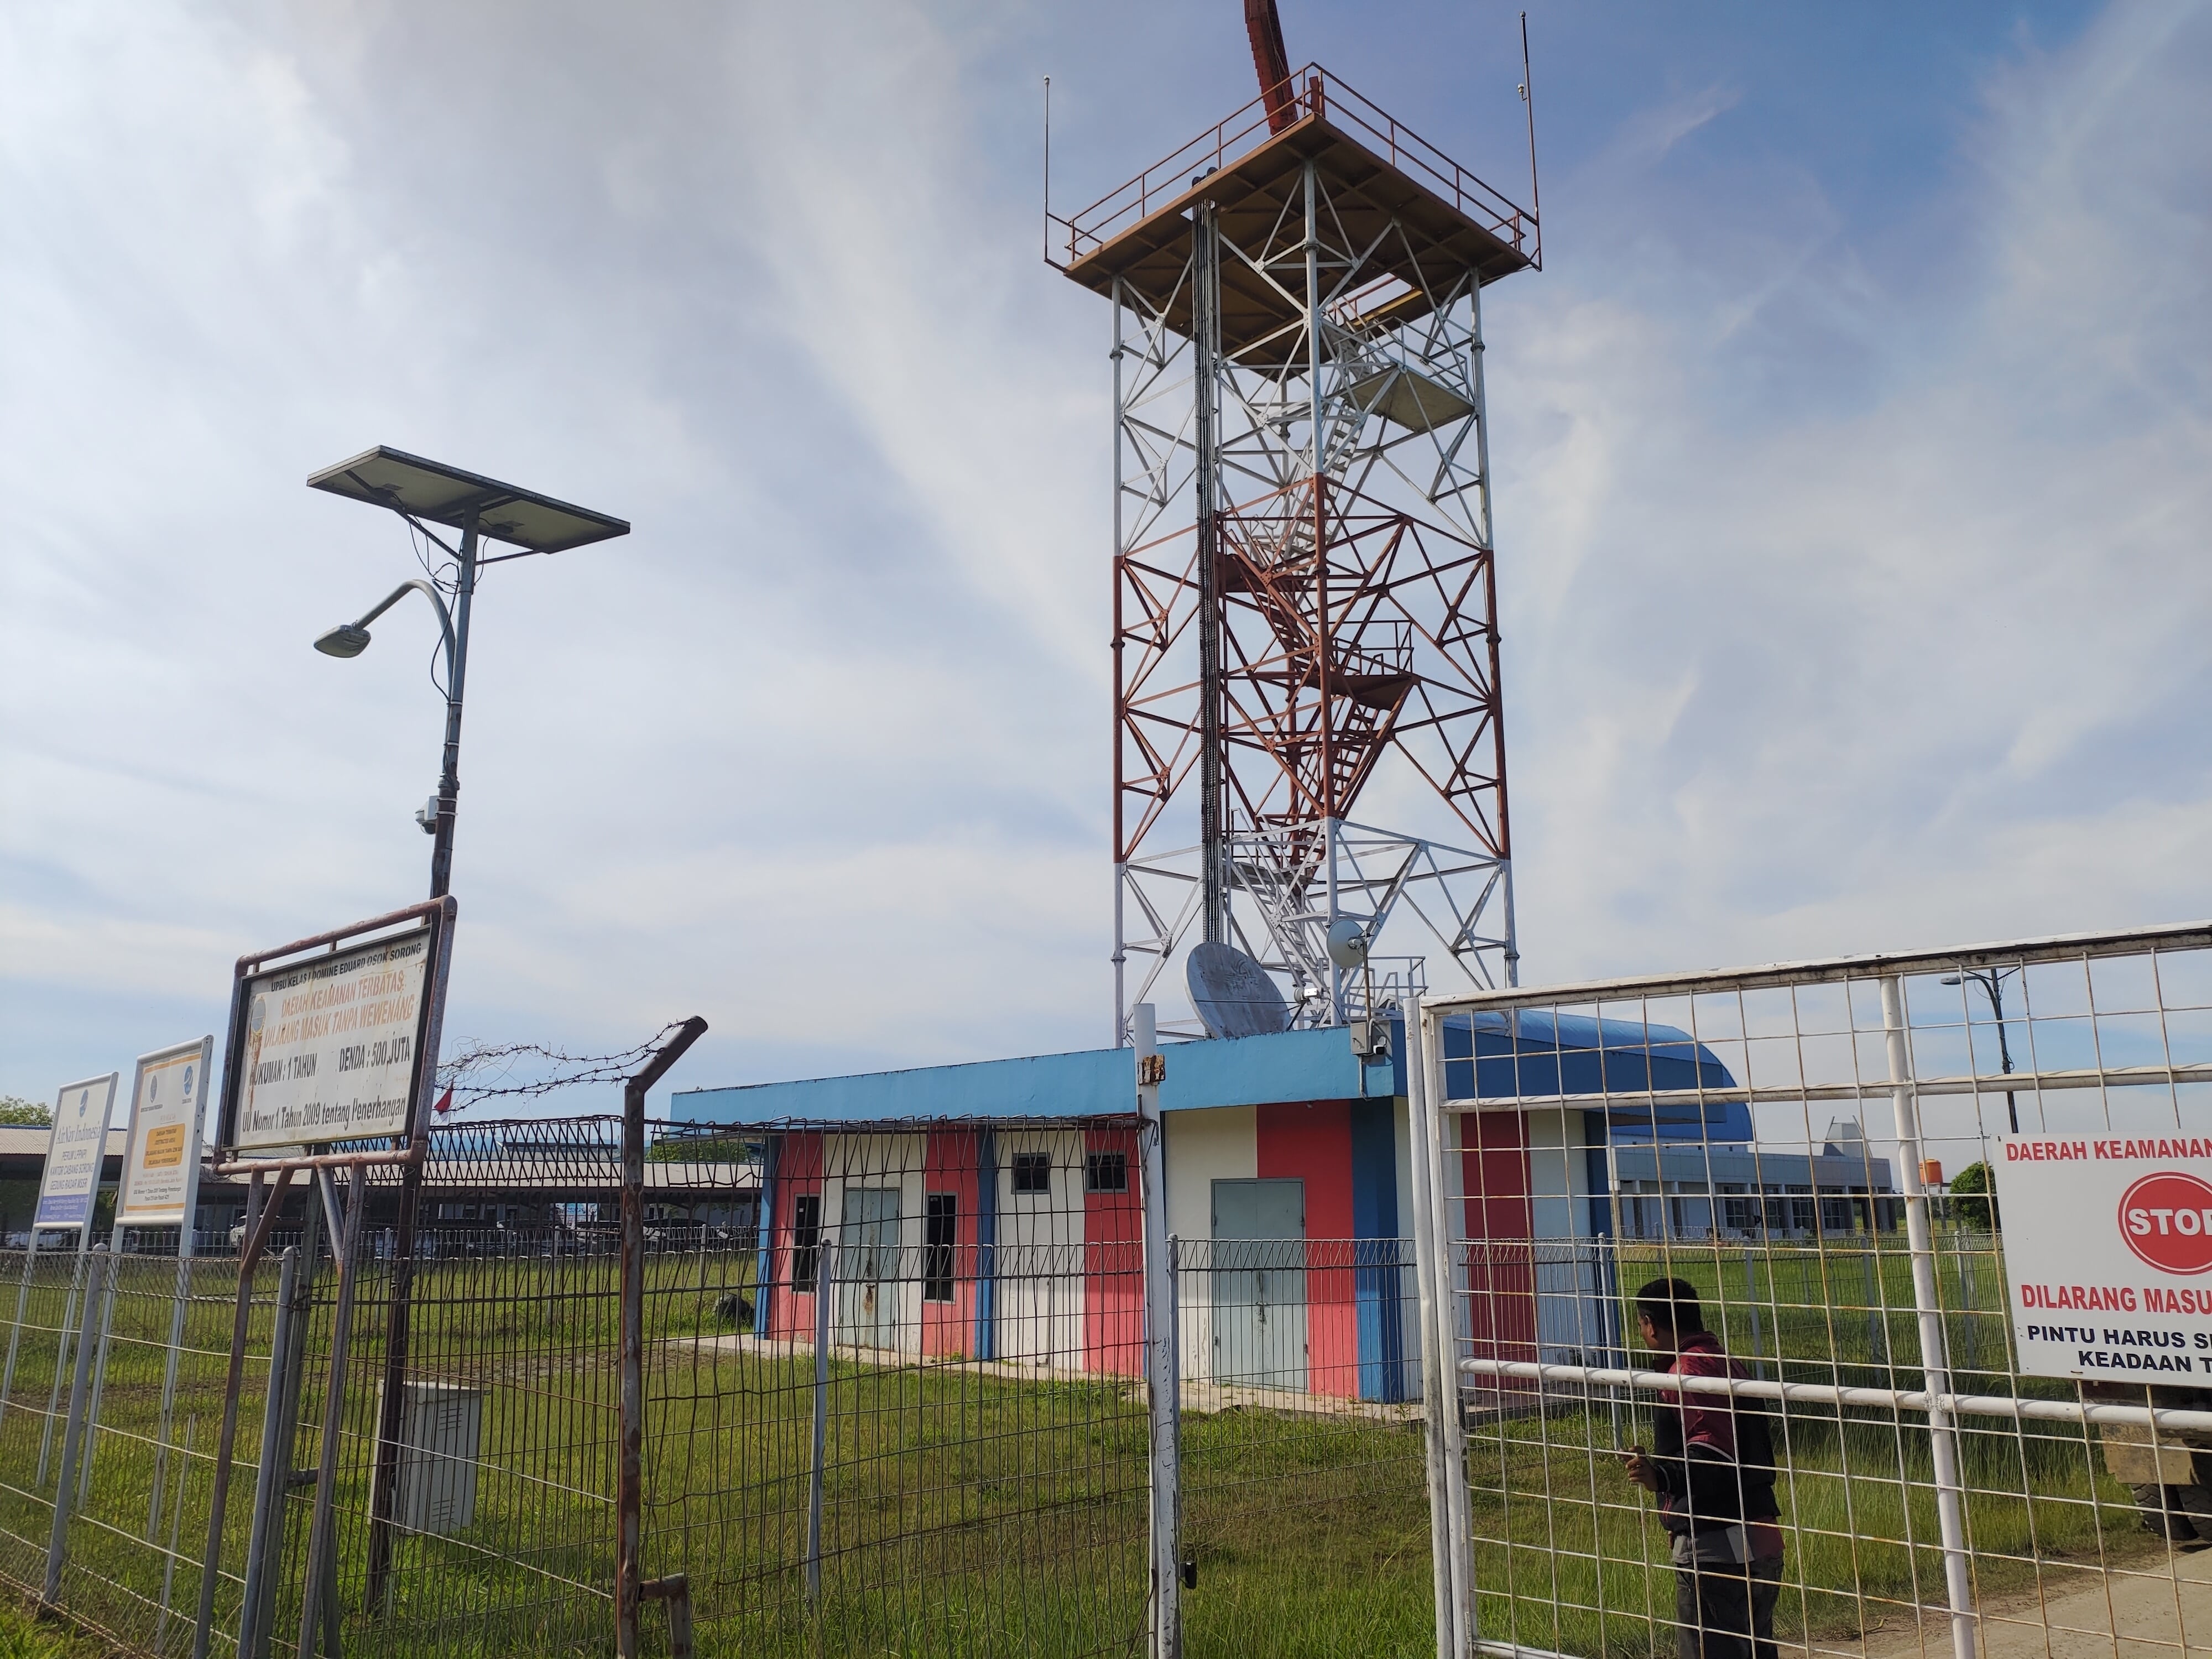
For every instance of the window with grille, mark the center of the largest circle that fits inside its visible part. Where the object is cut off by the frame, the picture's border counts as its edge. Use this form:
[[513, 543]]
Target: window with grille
[[1032, 1172], [1106, 1172], [943, 1225], [805, 1240]]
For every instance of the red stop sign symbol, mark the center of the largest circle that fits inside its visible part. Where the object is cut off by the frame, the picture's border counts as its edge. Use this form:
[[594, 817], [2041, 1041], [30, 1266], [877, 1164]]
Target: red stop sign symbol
[[2166, 1220]]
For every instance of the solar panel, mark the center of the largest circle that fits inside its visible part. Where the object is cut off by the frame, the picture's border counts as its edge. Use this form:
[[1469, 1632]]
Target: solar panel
[[438, 494]]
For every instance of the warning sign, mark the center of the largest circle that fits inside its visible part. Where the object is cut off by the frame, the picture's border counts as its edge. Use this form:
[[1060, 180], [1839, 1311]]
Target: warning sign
[[2108, 1253]]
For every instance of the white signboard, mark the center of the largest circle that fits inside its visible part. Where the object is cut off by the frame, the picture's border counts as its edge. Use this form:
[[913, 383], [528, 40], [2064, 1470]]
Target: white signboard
[[74, 1152], [2108, 1253], [161, 1156], [331, 1045]]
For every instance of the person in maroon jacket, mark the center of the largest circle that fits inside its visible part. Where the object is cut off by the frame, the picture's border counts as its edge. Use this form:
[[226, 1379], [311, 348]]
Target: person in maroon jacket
[[1711, 1467]]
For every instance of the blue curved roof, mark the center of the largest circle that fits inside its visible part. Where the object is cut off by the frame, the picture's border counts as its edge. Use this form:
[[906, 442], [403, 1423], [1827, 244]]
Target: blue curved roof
[[1492, 1055]]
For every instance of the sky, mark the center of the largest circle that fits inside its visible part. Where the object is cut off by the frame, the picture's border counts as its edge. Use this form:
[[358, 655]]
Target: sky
[[1853, 456]]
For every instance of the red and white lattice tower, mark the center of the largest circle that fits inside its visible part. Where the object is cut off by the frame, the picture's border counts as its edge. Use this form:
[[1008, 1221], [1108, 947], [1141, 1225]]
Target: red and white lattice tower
[[1304, 592]]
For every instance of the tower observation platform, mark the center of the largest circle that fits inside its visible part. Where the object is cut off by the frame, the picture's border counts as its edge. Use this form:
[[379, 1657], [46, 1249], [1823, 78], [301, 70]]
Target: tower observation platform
[[1389, 189], [1304, 595]]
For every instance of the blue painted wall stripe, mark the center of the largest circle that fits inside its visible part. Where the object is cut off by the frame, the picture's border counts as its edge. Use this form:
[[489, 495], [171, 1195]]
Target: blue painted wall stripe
[[1377, 1276], [986, 1245]]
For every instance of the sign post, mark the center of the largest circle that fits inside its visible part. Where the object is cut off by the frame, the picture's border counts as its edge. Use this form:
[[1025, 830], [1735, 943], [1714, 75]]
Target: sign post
[[332, 1046], [2120, 1290], [160, 1189], [74, 1103], [68, 1192]]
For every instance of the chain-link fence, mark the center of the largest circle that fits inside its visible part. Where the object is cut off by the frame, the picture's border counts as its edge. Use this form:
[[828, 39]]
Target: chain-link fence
[[1775, 1185]]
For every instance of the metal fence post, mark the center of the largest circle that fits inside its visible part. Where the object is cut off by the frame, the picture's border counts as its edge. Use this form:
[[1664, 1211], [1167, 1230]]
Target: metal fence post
[[170, 1370], [629, 1476], [263, 1202], [176, 1534], [271, 1477], [1164, 1385], [317, 1600], [1942, 1423], [1439, 1372], [825, 1288], [301, 1326], [91, 1435], [72, 1433]]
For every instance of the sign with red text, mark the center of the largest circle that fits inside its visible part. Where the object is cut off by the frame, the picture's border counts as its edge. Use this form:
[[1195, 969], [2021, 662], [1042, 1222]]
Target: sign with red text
[[2108, 1253]]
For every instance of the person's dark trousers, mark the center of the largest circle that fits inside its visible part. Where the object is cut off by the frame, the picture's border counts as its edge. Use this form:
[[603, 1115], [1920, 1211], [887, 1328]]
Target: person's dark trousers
[[1727, 1613]]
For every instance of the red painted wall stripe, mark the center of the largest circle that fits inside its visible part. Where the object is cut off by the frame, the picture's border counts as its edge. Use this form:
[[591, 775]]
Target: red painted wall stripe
[[1313, 1143], [1114, 1263]]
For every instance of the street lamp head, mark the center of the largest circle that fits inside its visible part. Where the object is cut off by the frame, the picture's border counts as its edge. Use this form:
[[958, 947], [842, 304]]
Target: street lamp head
[[346, 640], [1952, 979]]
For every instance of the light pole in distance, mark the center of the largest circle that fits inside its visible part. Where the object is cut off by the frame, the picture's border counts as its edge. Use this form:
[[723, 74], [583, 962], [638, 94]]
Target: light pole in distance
[[1992, 979]]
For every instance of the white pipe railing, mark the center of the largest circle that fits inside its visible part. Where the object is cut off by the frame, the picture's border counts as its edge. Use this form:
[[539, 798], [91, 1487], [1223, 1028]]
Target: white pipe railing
[[2014, 1406]]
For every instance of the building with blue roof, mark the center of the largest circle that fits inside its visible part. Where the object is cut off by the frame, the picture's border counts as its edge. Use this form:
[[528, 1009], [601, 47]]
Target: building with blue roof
[[1288, 1162]]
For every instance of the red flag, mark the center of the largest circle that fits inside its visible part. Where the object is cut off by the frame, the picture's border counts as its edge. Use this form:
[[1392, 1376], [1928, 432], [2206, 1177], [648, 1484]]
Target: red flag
[[444, 1103]]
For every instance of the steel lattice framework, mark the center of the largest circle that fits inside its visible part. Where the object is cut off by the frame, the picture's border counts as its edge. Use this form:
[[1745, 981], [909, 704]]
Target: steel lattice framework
[[1305, 586]]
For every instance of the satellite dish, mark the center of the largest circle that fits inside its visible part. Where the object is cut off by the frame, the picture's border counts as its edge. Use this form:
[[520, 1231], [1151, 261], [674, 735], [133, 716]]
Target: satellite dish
[[1235, 996], [1348, 942]]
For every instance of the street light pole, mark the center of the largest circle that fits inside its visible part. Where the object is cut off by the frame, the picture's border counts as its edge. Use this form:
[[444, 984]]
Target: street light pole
[[424, 493], [1991, 981], [449, 777]]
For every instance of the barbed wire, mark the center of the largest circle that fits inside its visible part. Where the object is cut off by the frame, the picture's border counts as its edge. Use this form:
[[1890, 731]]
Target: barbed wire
[[485, 1070]]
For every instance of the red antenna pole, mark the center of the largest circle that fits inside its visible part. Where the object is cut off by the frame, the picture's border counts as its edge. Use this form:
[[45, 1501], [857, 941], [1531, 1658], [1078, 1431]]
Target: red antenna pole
[[1265, 28]]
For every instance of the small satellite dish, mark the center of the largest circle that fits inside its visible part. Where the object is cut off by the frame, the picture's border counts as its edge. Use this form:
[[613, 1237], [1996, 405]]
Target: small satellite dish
[[1348, 942], [1235, 996]]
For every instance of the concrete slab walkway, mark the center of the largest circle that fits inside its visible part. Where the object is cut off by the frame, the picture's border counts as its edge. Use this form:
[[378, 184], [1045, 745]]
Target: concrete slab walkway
[[2152, 1607]]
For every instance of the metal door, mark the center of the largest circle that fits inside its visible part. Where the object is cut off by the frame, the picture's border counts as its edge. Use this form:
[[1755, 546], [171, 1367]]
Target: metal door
[[868, 1282], [1258, 1284]]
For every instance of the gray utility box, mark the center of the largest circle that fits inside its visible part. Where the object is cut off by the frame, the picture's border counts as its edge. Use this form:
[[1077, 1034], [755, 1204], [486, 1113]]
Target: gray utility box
[[441, 1437]]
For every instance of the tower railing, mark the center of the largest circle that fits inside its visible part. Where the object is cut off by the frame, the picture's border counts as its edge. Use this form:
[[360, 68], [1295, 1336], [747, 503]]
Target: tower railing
[[1318, 94]]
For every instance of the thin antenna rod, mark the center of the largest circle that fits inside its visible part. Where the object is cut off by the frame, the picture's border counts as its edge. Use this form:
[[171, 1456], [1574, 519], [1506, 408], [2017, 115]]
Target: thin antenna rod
[[1528, 97], [1048, 162]]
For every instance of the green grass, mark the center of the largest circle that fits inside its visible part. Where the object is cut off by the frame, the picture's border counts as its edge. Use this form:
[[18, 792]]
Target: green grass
[[1845, 1305], [24, 1635]]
